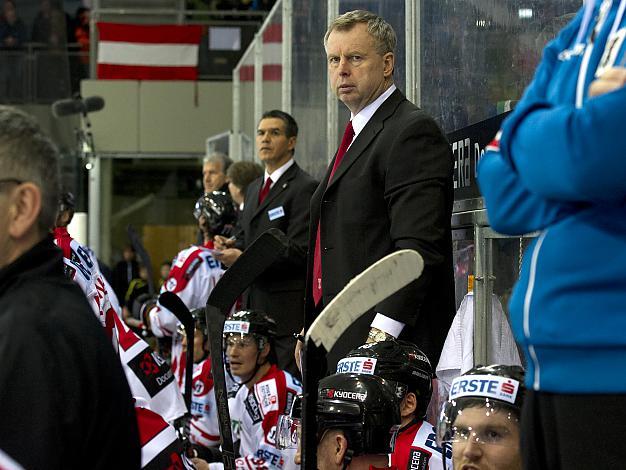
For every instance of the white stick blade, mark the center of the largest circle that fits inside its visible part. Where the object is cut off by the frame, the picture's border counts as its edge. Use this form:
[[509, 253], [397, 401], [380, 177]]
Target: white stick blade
[[382, 279]]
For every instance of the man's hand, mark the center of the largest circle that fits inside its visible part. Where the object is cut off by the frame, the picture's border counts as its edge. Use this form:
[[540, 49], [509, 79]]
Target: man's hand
[[611, 80], [222, 243], [227, 256], [297, 354], [375, 336]]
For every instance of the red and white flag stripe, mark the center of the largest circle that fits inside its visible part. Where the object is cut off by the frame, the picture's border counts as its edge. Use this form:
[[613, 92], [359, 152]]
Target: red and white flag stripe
[[272, 56], [148, 52]]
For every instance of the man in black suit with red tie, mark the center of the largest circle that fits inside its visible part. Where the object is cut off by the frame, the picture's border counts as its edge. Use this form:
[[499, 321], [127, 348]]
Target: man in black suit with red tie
[[388, 188], [279, 199]]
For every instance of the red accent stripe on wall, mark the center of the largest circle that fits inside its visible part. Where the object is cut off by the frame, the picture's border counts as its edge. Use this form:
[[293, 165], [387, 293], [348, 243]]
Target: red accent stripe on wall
[[145, 72], [273, 33], [150, 34]]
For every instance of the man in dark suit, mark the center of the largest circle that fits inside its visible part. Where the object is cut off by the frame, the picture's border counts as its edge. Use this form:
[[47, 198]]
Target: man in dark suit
[[390, 190], [279, 199]]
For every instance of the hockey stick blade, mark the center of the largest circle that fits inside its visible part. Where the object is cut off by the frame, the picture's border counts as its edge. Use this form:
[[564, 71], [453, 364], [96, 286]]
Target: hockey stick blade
[[260, 255], [382, 279], [174, 304], [268, 248]]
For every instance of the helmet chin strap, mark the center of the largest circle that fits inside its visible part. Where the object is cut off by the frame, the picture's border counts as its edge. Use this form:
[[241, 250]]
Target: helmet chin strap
[[257, 366]]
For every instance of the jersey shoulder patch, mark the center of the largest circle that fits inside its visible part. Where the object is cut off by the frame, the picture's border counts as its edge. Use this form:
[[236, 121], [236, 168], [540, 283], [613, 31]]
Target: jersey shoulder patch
[[267, 395]]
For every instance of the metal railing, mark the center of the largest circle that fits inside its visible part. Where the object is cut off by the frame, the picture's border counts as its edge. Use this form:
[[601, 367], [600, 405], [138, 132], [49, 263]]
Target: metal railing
[[39, 74]]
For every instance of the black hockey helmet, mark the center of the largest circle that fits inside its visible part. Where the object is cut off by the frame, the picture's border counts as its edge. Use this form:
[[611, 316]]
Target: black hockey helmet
[[200, 321], [498, 389], [218, 209], [251, 322], [364, 407], [400, 362]]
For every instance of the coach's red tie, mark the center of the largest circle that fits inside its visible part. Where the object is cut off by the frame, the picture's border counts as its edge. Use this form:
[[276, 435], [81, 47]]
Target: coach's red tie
[[348, 135], [265, 190]]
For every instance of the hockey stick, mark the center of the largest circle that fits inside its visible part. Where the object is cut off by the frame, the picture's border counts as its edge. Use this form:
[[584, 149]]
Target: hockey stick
[[144, 257], [172, 302], [268, 248], [382, 279]]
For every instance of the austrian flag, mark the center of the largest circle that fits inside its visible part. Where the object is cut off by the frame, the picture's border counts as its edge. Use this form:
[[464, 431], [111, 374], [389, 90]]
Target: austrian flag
[[148, 52]]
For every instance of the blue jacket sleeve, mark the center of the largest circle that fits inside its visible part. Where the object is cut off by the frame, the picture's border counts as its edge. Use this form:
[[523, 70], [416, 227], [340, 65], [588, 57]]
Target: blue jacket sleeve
[[511, 208], [570, 154], [563, 153]]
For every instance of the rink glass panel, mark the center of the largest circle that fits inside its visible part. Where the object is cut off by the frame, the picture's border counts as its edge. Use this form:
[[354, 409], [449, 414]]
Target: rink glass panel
[[478, 57], [309, 85]]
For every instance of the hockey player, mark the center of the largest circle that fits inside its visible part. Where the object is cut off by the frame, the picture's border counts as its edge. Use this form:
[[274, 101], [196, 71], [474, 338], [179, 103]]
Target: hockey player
[[401, 363], [81, 265], [357, 416], [204, 425], [149, 377], [264, 392], [194, 272], [481, 418]]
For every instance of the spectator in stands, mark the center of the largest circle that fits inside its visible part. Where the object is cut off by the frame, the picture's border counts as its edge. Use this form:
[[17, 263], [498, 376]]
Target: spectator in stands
[[164, 272], [240, 175], [52, 26], [81, 33], [12, 28], [125, 271], [214, 168], [12, 37]]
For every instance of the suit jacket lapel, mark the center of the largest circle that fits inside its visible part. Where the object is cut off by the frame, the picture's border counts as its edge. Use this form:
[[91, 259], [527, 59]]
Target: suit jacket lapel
[[365, 137], [278, 188]]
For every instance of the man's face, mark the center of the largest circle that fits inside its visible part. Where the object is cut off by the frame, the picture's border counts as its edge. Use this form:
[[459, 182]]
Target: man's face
[[358, 74], [243, 354], [500, 447], [273, 145], [213, 176]]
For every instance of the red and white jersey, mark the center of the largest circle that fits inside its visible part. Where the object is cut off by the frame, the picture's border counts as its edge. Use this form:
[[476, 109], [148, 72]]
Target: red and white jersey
[[204, 425], [416, 448], [254, 416], [148, 375], [81, 266], [160, 446], [193, 276]]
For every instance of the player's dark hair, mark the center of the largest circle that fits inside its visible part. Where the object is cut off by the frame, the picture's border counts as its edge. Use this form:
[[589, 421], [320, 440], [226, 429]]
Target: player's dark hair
[[291, 126]]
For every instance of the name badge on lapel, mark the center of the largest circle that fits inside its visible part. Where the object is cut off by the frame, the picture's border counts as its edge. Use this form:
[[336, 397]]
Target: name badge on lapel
[[276, 213]]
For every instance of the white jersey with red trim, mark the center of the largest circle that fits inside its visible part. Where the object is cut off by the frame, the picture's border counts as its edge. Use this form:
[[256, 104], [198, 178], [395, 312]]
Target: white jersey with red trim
[[160, 446], [149, 377], [81, 266], [416, 449], [193, 276], [254, 416], [204, 425]]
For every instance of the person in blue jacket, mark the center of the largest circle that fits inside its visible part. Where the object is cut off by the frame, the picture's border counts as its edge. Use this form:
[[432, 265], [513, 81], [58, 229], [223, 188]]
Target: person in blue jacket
[[558, 166]]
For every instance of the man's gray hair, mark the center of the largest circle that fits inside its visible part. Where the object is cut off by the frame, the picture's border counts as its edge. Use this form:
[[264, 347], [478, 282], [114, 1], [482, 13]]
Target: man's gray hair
[[28, 154], [382, 32], [218, 157]]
